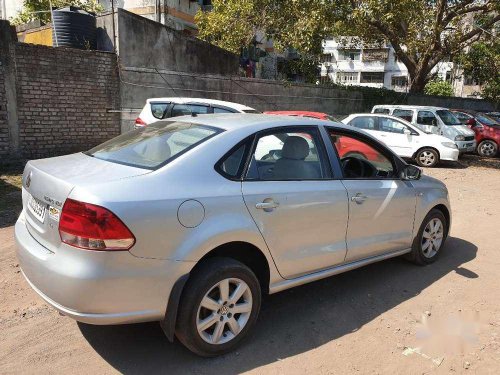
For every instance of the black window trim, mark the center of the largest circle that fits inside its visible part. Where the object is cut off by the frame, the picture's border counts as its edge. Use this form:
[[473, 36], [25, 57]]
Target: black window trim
[[294, 129], [397, 163]]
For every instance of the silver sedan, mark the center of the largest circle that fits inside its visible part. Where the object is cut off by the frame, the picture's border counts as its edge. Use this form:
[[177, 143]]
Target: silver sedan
[[189, 222]]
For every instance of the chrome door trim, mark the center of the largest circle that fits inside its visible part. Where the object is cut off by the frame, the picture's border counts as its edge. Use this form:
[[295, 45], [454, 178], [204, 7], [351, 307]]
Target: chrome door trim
[[286, 284]]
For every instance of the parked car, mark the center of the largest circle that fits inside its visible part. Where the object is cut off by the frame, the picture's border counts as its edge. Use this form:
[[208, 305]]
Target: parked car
[[486, 128], [494, 115], [434, 120], [180, 222], [405, 139], [161, 108], [318, 115]]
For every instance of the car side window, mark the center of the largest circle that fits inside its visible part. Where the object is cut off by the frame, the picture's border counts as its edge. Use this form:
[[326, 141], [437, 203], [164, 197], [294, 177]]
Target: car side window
[[426, 118], [405, 114], [361, 160], [363, 122], [222, 110], [382, 110], [159, 109], [232, 164], [188, 109], [288, 155], [391, 126]]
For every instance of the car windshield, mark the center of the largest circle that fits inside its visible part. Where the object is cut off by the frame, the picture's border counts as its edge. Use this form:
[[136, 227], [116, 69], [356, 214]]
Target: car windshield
[[448, 118], [486, 120], [154, 145]]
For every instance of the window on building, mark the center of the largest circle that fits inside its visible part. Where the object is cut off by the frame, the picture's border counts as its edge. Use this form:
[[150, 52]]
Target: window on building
[[326, 57], [469, 81], [350, 54], [372, 77], [347, 77], [401, 81], [448, 77]]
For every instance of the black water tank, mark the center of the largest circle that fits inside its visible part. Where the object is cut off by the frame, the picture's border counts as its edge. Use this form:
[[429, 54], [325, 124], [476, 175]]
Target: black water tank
[[74, 27]]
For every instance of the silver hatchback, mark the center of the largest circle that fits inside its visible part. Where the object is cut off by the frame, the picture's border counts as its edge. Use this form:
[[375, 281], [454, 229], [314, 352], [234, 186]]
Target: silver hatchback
[[189, 222]]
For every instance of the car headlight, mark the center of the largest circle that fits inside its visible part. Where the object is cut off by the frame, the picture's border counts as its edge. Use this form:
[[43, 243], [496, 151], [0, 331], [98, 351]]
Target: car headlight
[[459, 138], [449, 144]]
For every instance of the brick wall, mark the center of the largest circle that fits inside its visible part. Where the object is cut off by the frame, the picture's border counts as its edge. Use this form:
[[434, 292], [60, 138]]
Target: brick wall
[[63, 98], [4, 126]]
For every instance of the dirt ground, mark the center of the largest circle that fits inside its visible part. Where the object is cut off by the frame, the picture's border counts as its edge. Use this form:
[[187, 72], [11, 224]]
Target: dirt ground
[[391, 317]]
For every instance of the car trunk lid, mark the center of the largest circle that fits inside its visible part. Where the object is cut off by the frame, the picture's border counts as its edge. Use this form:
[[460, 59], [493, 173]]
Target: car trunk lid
[[48, 182]]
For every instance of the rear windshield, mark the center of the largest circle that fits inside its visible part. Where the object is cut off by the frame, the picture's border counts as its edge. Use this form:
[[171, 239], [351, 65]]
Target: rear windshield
[[154, 145], [448, 118]]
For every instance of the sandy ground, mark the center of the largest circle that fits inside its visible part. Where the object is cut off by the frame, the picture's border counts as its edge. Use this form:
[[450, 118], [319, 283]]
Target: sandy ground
[[392, 317]]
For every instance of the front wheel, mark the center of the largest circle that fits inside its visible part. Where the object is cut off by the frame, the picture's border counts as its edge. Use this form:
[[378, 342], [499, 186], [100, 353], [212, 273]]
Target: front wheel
[[430, 238], [219, 307], [487, 148], [427, 157]]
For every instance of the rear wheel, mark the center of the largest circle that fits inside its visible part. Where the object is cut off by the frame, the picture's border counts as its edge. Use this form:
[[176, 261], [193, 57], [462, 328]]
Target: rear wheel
[[219, 307], [430, 238], [427, 157], [487, 148]]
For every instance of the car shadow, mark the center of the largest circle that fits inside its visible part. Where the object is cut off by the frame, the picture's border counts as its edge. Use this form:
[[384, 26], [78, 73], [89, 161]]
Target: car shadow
[[290, 322]]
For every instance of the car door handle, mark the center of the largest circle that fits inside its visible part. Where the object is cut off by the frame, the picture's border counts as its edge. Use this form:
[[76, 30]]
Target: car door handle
[[269, 205], [359, 198]]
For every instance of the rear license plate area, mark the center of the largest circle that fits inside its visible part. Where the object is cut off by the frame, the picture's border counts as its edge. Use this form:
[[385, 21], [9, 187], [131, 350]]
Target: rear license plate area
[[37, 208]]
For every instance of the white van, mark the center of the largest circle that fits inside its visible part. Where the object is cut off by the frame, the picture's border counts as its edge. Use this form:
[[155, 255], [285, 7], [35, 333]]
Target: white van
[[436, 120]]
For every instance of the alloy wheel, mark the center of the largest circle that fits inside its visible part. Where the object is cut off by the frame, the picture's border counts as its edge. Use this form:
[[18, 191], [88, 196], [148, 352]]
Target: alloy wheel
[[487, 149], [427, 158], [432, 237], [224, 311]]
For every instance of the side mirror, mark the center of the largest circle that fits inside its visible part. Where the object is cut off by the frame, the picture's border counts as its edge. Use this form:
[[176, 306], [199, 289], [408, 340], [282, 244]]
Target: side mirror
[[407, 131], [470, 122], [410, 172]]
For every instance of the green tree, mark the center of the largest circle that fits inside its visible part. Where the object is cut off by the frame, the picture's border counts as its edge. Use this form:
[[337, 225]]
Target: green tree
[[422, 32], [40, 9], [438, 87], [482, 63]]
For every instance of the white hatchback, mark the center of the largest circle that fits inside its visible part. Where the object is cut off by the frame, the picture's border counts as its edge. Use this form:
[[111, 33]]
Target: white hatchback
[[404, 139], [157, 109]]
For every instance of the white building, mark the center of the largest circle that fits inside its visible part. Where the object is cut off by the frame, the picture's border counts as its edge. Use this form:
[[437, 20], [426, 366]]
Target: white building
[[371, 66], [10, 8]]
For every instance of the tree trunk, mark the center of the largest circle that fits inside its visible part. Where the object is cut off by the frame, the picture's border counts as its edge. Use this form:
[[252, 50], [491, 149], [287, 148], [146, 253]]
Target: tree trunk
[[418, 82]]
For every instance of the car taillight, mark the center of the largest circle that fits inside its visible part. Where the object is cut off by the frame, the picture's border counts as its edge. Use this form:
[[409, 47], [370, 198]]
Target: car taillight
[[92, 227], [139, 122]]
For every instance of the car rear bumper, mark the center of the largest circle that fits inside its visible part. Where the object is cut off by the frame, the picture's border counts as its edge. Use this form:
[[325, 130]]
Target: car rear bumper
[[111, 287]]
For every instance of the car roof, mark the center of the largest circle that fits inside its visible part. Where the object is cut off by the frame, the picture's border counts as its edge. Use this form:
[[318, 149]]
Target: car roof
[[252, 122], [297, 113], [395, 118], [405, 106], [184, 100]]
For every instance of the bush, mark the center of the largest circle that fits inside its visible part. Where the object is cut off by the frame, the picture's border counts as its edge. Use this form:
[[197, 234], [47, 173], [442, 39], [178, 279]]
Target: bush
[[439, 88]]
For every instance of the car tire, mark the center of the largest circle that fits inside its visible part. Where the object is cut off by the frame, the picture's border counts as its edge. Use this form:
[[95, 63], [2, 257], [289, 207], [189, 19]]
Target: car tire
[[427, 157], [430, 239], [207, 321], [487, 148]]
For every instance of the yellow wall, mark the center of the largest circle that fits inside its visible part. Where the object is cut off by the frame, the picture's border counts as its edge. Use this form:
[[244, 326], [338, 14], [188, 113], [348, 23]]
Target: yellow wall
[[38, 36]]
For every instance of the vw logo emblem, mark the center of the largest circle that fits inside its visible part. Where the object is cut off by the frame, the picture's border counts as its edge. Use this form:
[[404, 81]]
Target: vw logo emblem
[[28, 179], [224, 310]]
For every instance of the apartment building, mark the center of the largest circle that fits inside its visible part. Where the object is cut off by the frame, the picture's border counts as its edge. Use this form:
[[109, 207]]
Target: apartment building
[[371, 66], [177, 14]]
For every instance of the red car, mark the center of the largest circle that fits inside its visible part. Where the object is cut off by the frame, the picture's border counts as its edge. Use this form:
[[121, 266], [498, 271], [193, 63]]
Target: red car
[[318, 115], [487, 130], [345, 146]]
